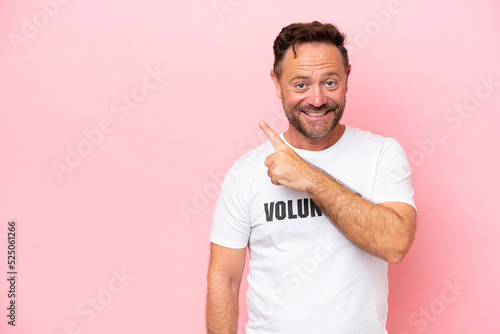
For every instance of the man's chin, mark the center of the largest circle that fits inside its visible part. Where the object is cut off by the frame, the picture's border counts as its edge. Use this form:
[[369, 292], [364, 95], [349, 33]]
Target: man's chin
[[313, 129], [315, 133]]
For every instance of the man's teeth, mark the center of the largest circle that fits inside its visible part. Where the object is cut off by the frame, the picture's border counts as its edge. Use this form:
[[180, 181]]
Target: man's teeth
[[310, 113]]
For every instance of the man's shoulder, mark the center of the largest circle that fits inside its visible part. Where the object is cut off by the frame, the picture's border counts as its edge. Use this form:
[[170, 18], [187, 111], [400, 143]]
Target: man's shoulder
[[256, 156], [360, 137], [363, 135], [365, 143], [250, 165]]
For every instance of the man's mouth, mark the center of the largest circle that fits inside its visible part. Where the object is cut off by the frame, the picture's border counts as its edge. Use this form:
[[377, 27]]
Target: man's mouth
[[315, 113]]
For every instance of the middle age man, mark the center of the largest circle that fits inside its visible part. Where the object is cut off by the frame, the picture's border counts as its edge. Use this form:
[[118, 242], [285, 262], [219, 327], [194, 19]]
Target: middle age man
[[322, 209]]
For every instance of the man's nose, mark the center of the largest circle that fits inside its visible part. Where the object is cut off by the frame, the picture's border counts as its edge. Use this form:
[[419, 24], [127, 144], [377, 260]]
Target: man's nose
[[316, 97]]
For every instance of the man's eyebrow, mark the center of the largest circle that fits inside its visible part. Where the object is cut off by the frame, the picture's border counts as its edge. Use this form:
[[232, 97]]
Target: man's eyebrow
[[305, 77], [331, 73], [300, 76]]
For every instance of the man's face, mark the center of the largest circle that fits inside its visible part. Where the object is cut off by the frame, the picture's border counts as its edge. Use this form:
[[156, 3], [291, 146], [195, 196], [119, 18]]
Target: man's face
[[313, 88]]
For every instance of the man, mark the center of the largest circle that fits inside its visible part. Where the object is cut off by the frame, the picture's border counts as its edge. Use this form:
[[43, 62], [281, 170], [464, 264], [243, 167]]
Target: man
[[322, 208]]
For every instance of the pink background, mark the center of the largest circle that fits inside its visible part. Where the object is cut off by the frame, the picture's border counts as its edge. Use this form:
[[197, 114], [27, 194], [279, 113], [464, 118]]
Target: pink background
[[138, 200]]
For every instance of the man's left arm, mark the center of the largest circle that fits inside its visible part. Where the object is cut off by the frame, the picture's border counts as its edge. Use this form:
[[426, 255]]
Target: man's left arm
[[385, 230]]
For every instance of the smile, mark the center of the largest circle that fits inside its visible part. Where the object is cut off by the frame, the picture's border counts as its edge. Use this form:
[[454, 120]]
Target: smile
[[315, 114]]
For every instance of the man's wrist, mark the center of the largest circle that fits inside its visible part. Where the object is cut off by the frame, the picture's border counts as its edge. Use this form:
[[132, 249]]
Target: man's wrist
[[318, 181]]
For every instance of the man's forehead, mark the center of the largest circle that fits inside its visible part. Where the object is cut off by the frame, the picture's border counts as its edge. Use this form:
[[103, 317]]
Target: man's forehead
[[313, 55]]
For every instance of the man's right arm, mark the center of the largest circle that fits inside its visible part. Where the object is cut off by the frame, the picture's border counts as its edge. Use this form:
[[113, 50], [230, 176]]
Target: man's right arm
[[224, 278]]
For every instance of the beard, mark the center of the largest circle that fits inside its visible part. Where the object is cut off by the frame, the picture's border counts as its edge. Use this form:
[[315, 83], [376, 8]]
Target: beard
[[318, 129]]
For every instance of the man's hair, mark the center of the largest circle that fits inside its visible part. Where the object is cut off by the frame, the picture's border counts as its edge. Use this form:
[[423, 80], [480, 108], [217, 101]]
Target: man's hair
[[300, 33]]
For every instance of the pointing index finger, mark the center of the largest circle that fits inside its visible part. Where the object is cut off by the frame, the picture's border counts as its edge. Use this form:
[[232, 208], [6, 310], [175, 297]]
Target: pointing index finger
[[273, 137]]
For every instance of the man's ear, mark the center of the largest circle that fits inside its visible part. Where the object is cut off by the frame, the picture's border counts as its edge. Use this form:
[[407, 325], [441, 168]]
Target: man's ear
[[277, 84], [347, 78]]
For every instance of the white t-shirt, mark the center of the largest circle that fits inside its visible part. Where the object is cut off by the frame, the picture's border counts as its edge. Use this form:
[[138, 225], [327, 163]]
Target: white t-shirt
[[305, 276]]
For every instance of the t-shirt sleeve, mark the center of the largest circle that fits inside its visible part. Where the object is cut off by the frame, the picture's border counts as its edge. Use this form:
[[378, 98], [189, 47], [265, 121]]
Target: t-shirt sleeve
[[393, 176], [231, 219]]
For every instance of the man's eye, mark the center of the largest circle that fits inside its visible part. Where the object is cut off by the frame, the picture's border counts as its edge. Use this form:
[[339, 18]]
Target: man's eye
[[331, 83], [301, 85]]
